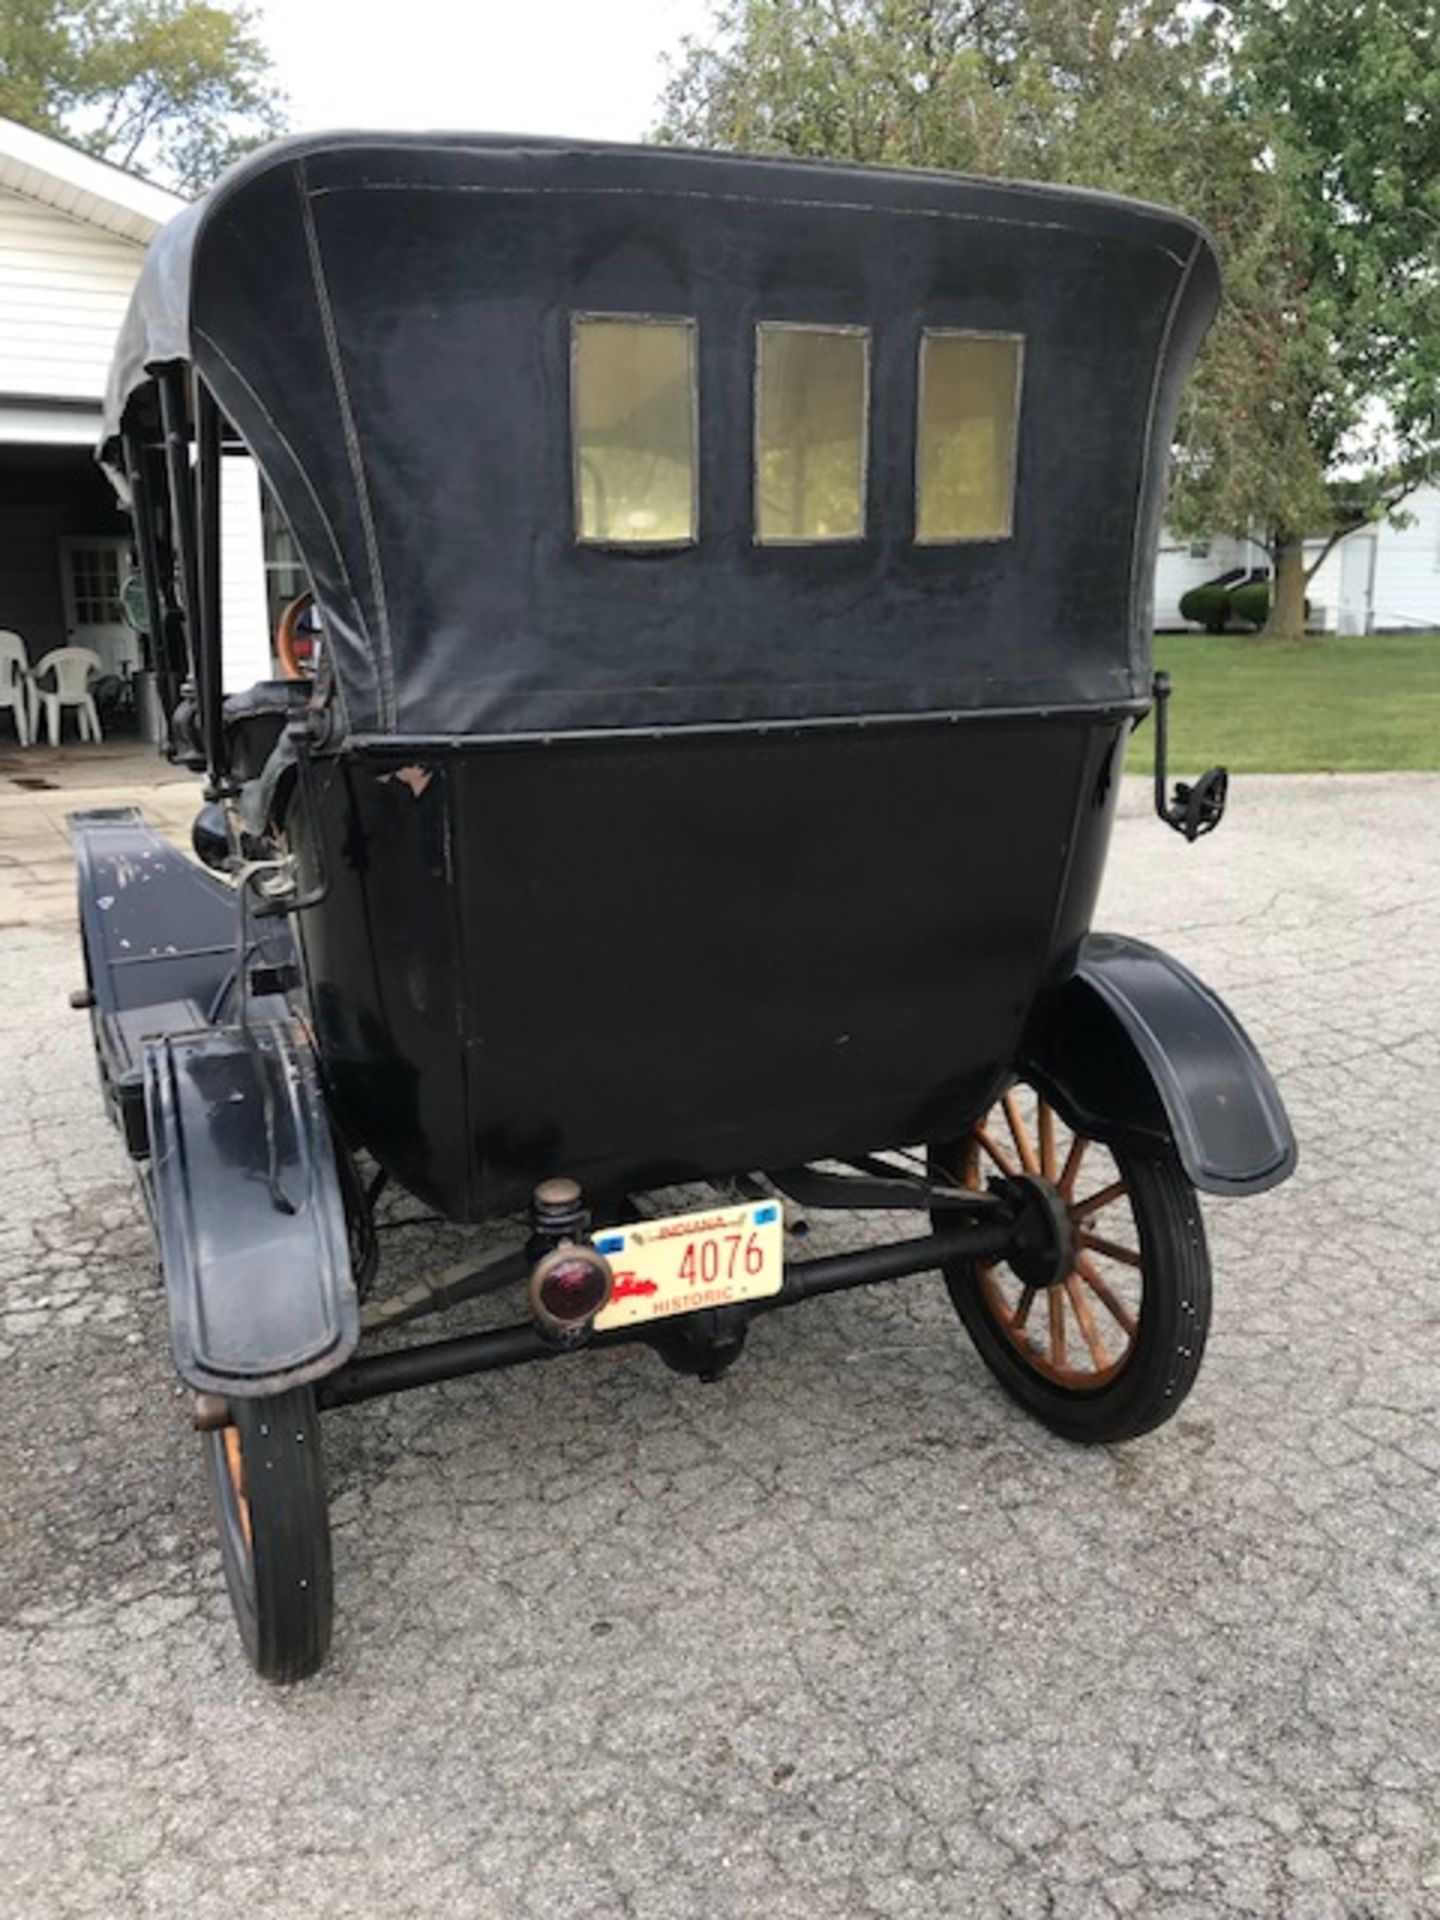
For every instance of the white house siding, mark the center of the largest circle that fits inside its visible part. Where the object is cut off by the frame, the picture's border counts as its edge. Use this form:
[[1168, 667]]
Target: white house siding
[[244, 616], [64, 287]]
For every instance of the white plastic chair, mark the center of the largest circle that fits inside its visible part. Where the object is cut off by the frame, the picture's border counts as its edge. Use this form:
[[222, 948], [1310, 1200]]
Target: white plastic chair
[[70, 668], [15, 684]]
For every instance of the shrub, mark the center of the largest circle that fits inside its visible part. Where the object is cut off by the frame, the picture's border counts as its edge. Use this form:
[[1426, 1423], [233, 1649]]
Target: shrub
[[1207, 606], [1251, 603]]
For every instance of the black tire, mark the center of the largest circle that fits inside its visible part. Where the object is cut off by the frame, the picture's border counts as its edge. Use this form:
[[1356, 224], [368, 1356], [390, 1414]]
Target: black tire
[[268, 1478], [1169, 1303]]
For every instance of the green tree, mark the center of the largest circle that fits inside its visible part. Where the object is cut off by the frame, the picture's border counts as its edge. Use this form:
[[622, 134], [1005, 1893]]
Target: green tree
[[1309, 408], [1348, 92], [885, 81], [174, 89]]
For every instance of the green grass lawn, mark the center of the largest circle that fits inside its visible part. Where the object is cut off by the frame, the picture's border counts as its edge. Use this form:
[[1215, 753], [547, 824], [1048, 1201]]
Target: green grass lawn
[[1352, 705]]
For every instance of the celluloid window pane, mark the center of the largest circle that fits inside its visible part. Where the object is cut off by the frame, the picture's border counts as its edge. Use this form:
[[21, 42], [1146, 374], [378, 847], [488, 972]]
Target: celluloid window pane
[[965, 469], [634, 424], [810, 434]]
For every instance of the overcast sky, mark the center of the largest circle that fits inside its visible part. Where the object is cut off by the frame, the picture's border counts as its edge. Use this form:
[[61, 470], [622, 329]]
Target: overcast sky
[[529, 66]]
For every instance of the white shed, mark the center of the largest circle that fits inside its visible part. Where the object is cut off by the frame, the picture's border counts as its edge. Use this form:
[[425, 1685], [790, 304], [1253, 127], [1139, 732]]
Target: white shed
[[1386, 579], [73, 231]]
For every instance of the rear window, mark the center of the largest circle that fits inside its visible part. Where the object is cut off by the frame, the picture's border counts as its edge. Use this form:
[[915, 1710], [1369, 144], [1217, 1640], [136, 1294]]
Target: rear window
[[811, 407], [965, 445], [633, 426]]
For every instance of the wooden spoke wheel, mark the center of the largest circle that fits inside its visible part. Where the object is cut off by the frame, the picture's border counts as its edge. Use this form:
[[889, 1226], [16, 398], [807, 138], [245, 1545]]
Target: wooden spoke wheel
[[268, 1479], [1110, 1349]]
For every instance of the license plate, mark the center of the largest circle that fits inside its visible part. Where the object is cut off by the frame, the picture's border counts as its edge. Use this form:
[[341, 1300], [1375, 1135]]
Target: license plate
[[692, 1260]]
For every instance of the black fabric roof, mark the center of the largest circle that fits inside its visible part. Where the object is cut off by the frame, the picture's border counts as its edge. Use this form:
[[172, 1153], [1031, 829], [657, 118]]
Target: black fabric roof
[[386, 322]]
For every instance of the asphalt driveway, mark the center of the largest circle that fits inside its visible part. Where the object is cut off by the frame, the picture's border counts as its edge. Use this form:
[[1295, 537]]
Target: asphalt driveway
[[842, 1635]]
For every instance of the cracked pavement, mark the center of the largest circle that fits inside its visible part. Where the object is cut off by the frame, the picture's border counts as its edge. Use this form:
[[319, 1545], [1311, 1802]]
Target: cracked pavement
[[841, 1635]]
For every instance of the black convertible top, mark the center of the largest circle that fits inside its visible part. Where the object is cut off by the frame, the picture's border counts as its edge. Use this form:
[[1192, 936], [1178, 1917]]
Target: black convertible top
[[386, 323]]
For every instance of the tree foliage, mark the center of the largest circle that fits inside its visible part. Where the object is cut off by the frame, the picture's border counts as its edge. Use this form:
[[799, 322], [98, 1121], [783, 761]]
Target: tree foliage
[[1302, 132], [174, 89], [1349, 94]]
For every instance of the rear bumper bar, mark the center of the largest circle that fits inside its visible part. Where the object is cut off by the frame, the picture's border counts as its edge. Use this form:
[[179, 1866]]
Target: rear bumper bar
[[515, 1346]]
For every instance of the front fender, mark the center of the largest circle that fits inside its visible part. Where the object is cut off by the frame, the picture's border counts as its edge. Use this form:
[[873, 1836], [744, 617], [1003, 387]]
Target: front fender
[[1132, 1049], [248, 1210]]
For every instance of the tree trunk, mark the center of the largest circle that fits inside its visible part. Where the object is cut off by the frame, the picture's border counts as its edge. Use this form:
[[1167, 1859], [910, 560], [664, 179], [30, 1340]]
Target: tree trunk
[[1287, 593]]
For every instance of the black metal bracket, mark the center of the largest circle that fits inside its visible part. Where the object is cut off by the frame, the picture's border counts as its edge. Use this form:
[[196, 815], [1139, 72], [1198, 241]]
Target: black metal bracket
[[877, 1185], [1191, 810], [289, 900], [449, 1289], [277, 977]]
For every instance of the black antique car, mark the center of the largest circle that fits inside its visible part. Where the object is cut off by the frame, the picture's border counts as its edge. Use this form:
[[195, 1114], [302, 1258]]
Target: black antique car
[[733, 581]]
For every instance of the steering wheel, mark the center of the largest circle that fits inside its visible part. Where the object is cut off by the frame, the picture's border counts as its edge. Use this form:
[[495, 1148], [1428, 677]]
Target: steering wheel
[[299, 637]]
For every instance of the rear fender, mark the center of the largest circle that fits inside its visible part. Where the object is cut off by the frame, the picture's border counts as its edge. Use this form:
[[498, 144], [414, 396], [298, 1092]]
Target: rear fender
[[249, 1210], [1135, 1051]]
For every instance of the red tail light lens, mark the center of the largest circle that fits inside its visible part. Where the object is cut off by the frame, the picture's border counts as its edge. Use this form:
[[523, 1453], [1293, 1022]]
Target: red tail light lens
[[569, 1287]]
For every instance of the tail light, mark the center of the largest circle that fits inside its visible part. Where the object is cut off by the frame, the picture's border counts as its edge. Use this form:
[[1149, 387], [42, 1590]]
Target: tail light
[[569, 1287]]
